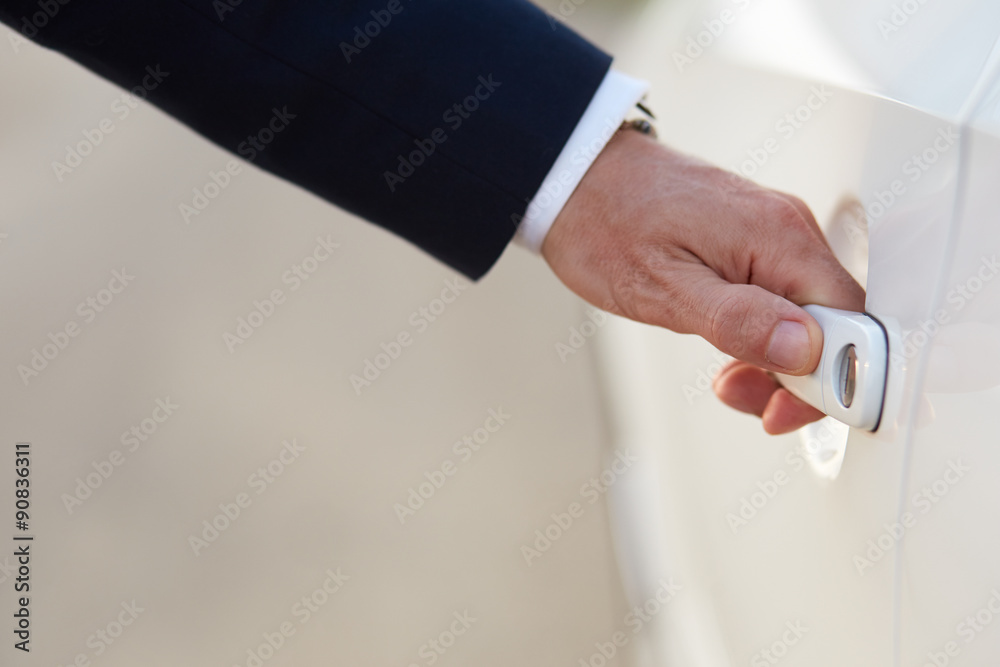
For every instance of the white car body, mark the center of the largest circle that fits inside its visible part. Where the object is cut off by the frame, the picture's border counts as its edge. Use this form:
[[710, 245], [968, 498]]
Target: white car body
[[885, 118]]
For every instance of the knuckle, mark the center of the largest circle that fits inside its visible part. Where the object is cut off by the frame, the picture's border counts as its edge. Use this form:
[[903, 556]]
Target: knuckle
[[786, 214], [741, 325], [784, 228], [772, 222], [627, 285], [729, 323], [799, 205], [636, 290]]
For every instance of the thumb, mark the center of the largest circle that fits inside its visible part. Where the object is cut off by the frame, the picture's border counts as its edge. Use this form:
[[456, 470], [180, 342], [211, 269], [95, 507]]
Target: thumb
[[754, 325]]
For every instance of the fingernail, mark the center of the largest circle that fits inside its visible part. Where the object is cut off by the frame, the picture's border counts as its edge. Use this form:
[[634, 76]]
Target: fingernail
[[789, 346]]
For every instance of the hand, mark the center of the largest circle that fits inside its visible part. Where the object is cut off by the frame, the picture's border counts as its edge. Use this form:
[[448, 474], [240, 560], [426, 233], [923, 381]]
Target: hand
[[666, 239]]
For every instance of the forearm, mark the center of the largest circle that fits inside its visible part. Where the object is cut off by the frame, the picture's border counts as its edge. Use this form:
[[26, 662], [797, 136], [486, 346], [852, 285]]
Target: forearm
[[482, 94]]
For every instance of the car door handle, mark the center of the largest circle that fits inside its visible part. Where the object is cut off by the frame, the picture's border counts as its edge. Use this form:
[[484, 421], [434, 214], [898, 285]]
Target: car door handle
[[849, 382]]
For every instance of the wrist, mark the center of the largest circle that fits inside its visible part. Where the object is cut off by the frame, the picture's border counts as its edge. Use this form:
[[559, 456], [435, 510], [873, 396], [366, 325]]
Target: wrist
[[602, 179]]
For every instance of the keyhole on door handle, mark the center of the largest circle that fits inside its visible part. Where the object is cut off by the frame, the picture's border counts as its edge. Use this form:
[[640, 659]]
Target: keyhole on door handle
[[853, 382], [848, 374], [849, 382]]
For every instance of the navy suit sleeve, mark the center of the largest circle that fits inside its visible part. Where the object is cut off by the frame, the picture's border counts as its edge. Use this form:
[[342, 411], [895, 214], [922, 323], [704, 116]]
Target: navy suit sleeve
[[436, 119]]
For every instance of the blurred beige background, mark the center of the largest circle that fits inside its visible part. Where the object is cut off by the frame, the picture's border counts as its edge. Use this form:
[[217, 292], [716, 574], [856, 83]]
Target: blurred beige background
[[331, 505]]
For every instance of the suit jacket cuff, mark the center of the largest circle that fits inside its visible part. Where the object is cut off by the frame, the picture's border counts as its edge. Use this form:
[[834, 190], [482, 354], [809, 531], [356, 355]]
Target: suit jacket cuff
[[615, 97]]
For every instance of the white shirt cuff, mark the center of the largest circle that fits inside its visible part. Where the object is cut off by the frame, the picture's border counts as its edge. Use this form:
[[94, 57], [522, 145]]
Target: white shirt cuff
[[614, 99]]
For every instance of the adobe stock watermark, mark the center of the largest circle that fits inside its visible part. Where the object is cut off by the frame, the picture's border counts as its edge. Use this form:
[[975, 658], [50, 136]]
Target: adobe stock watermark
[[225, 7], [209, 190], [104, 637], [923, 501], [7, 569], [436, 478], [961, 294], [120, 109], [259, 481], [364, 34], [751, 505], [30, 24], [591, 491], [910, 172], [580, 333], [779, 648], [434, 648], [257, 142], [420, 320], [900, 15], [302, 611], [714, 28], [43, 356], [580, 161], [636, 620], [785, 128], [854, 221], [453, 117], [249, 149], [705, 377], [565, 9], [293, 277], [136, 436], [957, 297], [967, 630]]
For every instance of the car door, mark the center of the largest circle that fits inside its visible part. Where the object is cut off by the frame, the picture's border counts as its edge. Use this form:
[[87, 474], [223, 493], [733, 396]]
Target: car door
[[831, 546]]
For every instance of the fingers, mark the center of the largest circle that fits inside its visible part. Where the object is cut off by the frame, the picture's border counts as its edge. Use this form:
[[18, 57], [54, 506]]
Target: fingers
[[671, 241], [786, 413], [807, 215], [795, 261], [787, 262], [754, 325], [764, 253], [751, 390], [744, 387]]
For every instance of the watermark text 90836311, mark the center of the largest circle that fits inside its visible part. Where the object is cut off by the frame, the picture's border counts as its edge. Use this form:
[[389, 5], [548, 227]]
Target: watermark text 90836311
[[22, 546]]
